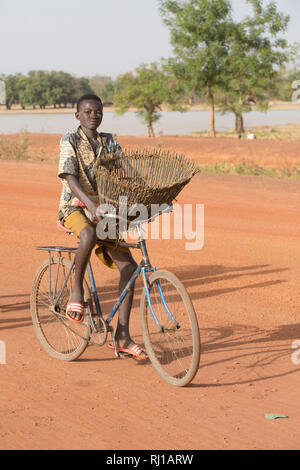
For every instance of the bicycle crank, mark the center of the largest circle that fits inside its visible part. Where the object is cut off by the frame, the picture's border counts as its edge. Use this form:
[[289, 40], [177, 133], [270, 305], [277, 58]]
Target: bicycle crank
[[99, 331]]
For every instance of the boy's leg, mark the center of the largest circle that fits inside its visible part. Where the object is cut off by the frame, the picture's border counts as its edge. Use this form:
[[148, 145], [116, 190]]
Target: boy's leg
[[80, 226], [126, 266], [86, 244]]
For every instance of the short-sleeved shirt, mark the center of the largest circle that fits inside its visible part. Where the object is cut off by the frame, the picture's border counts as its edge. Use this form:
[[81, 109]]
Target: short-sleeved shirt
[[77, 158]]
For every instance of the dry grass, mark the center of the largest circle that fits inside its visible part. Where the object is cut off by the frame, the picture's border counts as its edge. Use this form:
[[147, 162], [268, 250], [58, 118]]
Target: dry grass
[[290, 132], [14, 147]]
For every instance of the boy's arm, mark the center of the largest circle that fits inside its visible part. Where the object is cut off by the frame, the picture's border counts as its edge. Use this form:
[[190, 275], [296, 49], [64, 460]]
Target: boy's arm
[[68, 170], [81, 195]]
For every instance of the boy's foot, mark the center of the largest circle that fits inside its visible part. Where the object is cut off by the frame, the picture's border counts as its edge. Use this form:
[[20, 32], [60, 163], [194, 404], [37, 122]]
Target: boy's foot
[[132, 350], [75, 311], [75, 308]]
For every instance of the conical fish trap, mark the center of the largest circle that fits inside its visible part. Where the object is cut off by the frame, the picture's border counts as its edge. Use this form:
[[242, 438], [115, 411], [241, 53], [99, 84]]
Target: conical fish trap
[[142, 177]]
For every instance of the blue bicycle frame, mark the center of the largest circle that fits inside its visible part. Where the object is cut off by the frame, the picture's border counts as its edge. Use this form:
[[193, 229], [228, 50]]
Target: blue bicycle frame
[[144, 267]]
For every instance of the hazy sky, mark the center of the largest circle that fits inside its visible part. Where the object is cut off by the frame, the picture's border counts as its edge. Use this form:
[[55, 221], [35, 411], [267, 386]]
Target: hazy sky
[[88, 37]]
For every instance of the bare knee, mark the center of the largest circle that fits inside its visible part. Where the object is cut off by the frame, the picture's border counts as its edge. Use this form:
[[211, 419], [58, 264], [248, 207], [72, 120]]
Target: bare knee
[[88, 237]]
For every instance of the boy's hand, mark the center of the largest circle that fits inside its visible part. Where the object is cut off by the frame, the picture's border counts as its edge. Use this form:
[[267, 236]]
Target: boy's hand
[[100, 213], [92, 208]]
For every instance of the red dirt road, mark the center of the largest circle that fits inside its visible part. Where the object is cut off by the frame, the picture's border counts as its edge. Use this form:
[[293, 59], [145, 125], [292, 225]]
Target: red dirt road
[[244, 283]]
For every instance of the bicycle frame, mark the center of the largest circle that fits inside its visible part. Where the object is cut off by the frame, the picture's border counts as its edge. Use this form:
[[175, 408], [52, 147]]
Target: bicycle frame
[[144, 268]]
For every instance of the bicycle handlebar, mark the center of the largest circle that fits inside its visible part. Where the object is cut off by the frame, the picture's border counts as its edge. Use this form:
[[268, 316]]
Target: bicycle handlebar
[[166, 210]]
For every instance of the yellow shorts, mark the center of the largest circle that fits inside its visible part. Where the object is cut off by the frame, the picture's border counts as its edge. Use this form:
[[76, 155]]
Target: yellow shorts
[[77, 221]]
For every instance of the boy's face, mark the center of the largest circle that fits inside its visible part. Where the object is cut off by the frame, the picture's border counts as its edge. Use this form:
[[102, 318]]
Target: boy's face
[[90, 114]]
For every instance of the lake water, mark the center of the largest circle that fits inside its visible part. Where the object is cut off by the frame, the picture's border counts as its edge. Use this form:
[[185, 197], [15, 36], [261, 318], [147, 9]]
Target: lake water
[[130, 124]]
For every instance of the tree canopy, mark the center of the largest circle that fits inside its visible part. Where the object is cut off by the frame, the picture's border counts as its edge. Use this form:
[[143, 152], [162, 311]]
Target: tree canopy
[[200, 32], [41, 89], [234, 64], [255, 58], [147, 89]]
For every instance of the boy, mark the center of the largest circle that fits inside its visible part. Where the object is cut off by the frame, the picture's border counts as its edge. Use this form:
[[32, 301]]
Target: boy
[[77, 211]]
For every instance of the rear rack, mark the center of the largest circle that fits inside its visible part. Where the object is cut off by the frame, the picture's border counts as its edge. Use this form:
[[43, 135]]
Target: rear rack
[[56, 248], [69, 249]]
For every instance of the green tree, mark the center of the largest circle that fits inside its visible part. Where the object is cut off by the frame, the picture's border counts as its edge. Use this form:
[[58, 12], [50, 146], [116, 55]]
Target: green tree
[[107, 93], [60, 89], [255, 58], [81, 87], [200, 34], [33, 89], [147, 90], [98, 83], [12, 89]]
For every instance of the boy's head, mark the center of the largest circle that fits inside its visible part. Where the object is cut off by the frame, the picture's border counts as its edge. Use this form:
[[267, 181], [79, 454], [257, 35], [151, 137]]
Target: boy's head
[[89, 111]]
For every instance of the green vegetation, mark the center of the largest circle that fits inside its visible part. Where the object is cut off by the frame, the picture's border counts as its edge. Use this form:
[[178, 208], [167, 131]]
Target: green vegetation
[[253, 170], [41, 89], [256, 54], [146, 90], [233, 66], [289, 132], [200, 32]]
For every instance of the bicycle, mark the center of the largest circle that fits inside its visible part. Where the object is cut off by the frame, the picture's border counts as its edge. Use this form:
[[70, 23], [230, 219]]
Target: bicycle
[[168, 320]]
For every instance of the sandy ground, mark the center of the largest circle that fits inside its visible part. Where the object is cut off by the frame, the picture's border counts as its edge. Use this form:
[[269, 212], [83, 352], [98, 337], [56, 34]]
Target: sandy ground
[[244, 284], [263, 152]]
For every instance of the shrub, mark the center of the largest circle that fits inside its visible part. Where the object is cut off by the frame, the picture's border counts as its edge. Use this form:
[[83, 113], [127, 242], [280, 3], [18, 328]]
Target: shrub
[[14, 147]]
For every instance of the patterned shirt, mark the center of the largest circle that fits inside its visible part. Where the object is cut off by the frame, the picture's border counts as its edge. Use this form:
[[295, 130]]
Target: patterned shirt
[[77, 157]]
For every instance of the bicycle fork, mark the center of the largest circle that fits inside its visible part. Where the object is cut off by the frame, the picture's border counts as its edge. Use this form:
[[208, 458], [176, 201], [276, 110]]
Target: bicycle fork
[[147, 268], [147, 292]]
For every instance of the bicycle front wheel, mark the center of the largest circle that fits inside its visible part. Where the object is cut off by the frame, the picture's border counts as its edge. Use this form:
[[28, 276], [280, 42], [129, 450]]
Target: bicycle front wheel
[[60, 337], [171, 332]]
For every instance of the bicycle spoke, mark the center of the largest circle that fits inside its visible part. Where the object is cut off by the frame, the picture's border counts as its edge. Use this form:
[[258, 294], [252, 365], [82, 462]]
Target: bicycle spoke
[[60, 337]]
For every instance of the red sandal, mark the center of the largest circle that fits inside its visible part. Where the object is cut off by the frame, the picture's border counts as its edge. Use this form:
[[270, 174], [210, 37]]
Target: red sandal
[[134, 351], [75, 307]]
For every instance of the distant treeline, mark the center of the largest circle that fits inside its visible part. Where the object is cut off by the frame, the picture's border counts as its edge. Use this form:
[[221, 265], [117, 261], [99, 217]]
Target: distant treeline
[[232, 65], [41, 89]]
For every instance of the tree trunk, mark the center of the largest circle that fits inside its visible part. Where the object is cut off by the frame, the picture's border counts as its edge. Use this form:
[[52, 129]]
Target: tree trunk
[[211, 101], [150, 129], [239, 124]]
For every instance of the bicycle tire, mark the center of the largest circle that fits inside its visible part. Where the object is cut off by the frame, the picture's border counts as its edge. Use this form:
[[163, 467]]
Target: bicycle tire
[[160, 344], [61, 338]]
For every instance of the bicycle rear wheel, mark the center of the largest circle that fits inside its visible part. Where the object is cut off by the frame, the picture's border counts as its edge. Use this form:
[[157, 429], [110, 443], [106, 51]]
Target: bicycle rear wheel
[[60, 337], [174, 346]]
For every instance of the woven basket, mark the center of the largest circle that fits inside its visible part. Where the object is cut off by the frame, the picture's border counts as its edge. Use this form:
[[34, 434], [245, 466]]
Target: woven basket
[[143, 176]]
